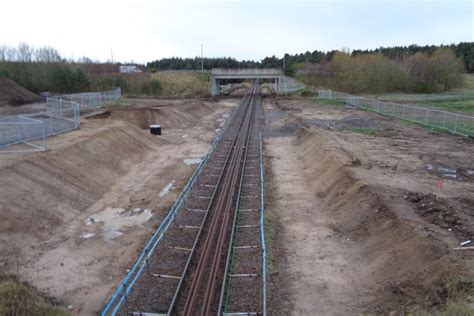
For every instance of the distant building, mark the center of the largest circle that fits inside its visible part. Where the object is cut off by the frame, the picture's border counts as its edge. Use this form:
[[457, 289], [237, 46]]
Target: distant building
[[129, 69]]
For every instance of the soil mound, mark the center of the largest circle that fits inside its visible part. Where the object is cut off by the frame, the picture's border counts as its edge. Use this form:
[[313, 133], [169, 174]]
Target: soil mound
[[41, 193], [12, 93], [172, 116], [398, 259]]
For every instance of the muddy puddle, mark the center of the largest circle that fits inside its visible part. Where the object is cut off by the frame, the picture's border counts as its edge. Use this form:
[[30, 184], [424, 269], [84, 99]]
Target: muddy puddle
[[111, 222]]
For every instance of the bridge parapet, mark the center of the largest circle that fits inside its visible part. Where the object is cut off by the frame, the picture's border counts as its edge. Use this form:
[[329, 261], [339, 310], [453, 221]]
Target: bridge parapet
[[244, 72]]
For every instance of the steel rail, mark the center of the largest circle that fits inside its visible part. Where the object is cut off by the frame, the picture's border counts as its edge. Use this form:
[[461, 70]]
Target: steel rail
[[236, 212], [224, 203], [211, 287], [196, 241]]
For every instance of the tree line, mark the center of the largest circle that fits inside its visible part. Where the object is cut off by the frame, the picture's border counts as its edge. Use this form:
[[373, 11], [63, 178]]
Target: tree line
[[463, 50], [376, 73], [178, 63], [405, 68]]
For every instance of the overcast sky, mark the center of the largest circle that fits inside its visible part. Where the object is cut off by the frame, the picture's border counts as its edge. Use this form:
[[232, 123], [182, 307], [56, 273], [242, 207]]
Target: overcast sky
[[144, 30]]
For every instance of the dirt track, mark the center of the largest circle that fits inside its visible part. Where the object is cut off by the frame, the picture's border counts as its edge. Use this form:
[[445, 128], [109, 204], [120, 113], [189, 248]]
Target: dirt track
[[48, 199], [351, 233]]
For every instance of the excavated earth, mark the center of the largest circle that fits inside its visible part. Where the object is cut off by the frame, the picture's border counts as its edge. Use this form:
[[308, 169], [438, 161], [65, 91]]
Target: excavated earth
[[73, 219], [357, 224]]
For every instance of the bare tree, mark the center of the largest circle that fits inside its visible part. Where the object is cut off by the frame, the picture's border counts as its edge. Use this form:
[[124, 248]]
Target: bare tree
[[7, 53], [25, 52], [11, 54], [47, 54], [3, 53], [84, 60]]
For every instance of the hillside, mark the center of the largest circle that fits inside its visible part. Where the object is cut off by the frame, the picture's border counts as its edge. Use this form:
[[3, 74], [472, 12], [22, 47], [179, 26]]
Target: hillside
[[12, 93]]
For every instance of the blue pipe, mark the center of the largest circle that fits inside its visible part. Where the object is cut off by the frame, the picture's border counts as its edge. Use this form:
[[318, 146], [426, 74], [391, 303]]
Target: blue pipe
[[262, 237]]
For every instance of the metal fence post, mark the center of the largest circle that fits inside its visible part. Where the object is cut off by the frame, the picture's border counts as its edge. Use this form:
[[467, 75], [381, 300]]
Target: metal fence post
[[456, 124], [444, 120]]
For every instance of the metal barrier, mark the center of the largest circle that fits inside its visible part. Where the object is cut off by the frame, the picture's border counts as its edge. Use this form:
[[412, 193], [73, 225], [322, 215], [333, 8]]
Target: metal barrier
[[94, 99], [453, 122], [62, 115], [329, 94]]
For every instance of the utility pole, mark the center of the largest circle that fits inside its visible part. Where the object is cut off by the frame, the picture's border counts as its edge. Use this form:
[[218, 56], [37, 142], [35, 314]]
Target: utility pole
[[284, 61], [202, 60], [112, 54]]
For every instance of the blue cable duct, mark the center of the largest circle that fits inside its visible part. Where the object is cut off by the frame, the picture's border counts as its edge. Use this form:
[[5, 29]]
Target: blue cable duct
[[262, 231]]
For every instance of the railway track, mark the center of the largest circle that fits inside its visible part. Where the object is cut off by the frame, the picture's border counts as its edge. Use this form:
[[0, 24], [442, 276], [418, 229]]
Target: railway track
[[209, 261]]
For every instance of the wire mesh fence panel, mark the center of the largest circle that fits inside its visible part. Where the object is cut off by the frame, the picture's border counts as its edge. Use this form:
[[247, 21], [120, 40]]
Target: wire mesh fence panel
[[93, 99], [18, 130], [452, 122], [62, 114]]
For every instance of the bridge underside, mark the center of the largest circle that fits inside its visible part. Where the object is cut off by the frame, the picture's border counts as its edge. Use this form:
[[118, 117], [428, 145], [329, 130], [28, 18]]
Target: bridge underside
[[283, 84], [218, 80], [223, 75]]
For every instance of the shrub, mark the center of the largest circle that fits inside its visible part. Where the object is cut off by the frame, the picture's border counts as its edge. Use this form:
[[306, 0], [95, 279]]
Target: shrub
[[376, 73]]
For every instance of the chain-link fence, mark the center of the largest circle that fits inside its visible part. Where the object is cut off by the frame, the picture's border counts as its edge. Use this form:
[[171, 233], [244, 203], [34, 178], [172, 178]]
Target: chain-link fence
[[452, 122], [94, 99], [62, 114], [329, 94]]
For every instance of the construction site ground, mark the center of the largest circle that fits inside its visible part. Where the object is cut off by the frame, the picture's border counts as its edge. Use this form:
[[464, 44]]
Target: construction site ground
[[356, 221]]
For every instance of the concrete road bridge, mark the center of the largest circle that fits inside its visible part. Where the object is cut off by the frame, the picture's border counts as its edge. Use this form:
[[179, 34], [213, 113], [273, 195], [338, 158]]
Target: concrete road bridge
[[283, 84]]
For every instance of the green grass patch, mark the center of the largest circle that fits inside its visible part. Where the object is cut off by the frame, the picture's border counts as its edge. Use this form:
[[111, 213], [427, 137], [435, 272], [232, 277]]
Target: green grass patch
[[17, 298], [362, 130], [458, 299], [464, 106], [332, 102]]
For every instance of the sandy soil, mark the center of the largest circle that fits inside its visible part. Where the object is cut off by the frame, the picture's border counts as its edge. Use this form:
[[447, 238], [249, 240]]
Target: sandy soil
[[356, 225], [73, 219], [317, 271]]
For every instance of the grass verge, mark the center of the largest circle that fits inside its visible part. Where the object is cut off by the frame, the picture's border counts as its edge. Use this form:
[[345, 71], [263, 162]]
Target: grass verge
[[17, 298], [362, 130], [332, 102], [458, 299]]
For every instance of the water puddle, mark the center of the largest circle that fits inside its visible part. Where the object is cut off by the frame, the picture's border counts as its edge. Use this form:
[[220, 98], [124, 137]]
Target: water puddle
[[223, 119], [114, 220], [166, 189], [87, 235], [192, 161], [111, 234]]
